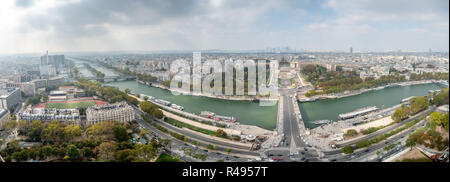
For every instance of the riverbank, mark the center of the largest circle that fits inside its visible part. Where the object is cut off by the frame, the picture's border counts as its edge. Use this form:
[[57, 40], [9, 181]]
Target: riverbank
[[233, 129], [361, 91], [223, 97]]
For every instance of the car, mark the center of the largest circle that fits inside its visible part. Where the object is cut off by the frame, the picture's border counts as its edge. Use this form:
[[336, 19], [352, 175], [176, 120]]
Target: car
[[273, 158], [280, 155], [270, 155], [303, 153], [303, 158], [367, 150], [280, 159], [205, 150], [218, 153]]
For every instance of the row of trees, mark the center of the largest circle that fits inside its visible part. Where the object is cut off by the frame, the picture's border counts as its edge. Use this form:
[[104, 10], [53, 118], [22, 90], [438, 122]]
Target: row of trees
[[151, 109], [107, 141], [339, 81], [417, 104], [95, 71], [431, 138], [147, 78]]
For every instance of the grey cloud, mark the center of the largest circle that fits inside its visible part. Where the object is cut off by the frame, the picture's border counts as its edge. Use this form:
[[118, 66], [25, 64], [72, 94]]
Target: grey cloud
[[78, 18], [24, 3]]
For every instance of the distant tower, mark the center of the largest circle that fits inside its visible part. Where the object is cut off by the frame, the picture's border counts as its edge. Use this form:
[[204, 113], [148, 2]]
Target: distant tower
[[47, 56], [351, 50]]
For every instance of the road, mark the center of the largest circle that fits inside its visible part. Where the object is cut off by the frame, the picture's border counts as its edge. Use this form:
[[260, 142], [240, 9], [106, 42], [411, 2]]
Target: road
[[387, 129], [359, 154], [221, 146], [290, 126]]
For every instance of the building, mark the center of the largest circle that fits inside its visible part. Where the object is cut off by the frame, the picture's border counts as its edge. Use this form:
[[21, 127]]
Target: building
[[40, 83], [72, 116], [72, 91], [4, 117], [121, 112], [55, 82], [28, 88], [10, 98], [57, 96], [57, 61]]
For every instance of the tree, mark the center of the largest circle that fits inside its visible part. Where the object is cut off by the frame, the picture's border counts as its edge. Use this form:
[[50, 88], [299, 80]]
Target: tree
[[446, 121], [106, 151], [73, 152], [138, 95], [146, 98], [127, 90], [120, 133], [126, 155], [228, 150], [52, 133], [71, 131], [410, 142], [436, 119], [400, 114], [10, 125], [36, 128], [143, 133], [145, 153], [350, 133], [220, 133], [101, 131], [347, 149]]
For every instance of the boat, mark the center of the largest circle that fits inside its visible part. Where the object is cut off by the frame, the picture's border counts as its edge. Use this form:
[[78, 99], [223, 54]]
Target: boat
[[379, 88], [177, 107], [318, 122], [214, 116], [358, 112]]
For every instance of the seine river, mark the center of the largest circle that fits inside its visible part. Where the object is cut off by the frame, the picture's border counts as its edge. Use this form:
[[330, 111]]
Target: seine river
[[251, 113], [246, 112], [330, 108]]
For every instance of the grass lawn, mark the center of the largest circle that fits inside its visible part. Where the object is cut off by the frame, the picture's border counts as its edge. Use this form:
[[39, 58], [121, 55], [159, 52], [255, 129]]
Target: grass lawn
[[166, 158], [70, 105]]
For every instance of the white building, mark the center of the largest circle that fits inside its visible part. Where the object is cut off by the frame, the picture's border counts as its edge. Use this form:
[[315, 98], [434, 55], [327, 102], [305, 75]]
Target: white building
[[121, 112]]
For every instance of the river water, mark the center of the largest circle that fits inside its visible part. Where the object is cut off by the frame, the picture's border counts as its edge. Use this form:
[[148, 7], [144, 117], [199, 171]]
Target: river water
[[329, 109], [246, 112]]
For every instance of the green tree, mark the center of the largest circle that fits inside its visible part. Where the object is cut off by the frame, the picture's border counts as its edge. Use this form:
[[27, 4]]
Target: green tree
[[228, 150], [127, 90], [400, 114], [351, 133], [146, 98], [73, 152], [347, 149], [106, 151], [52, 133], [36, 128], [71, 131], [436, 117], [120, 133]]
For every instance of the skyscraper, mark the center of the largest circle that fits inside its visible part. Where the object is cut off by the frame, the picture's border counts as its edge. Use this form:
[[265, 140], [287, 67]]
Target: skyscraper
[[351, 50]]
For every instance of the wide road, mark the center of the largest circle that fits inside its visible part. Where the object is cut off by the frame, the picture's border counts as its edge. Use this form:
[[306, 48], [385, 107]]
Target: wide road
[[290, 122], [387, 129], [380, 145], [221, 146]]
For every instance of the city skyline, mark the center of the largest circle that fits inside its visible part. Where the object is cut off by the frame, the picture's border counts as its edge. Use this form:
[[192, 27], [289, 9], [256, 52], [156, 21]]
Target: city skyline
[[327, 25]]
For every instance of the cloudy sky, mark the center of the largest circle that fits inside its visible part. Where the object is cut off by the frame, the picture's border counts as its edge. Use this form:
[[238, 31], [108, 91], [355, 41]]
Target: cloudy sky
[[28, 26]]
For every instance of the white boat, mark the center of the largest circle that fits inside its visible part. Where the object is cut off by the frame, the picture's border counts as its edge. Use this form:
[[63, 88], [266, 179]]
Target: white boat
[[322, 121]]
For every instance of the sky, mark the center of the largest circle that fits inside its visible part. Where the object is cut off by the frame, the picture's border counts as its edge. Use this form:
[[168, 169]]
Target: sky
[[33, 26]]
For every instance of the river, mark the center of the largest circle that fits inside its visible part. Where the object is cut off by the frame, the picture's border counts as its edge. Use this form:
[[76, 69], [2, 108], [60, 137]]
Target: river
[[246, 112], [329, 109]]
